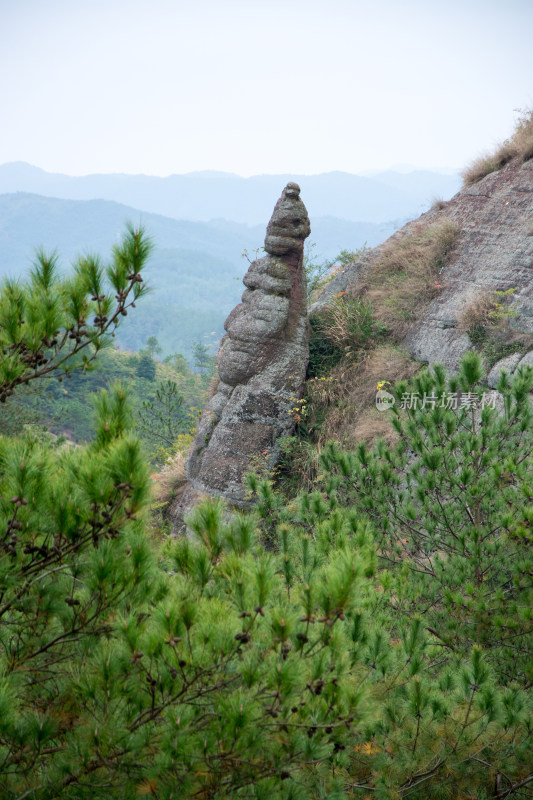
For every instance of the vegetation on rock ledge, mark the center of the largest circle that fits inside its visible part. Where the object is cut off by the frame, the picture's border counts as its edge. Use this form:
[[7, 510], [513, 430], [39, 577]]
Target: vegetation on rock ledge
[[520, 146]]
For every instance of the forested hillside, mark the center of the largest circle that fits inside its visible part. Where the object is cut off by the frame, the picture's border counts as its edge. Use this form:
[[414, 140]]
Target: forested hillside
[[166, 398]]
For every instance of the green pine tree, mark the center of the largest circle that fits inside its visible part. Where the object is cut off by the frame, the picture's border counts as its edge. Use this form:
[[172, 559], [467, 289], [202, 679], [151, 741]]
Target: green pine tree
[[160, 421], [369, 638], [51, 326], [448, 634], [146, 367], [153, 346]]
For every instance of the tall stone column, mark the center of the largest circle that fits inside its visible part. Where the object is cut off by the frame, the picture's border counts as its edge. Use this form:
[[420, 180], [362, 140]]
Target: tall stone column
[[261, 363]]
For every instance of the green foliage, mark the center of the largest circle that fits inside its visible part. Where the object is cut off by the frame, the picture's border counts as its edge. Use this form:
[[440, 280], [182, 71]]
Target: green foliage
[[501, 313], [63, 407], [477, 334], [73, 557], [45, 325], [451, 502], [232, 673], [146, 367], [494, 349], [22, 413], [204, 361], [45, 302], [342, 330], [371, 637], [450, 639], [178, 362], [160, 421], [153, 346], [323, 353]]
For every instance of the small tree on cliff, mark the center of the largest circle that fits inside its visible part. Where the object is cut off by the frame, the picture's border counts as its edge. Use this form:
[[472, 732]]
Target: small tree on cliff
[[162, 419], [203, 359]]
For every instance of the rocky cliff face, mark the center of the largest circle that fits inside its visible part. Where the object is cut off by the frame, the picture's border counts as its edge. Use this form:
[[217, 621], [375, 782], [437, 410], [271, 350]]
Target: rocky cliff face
[[261, 366], [493, 252]]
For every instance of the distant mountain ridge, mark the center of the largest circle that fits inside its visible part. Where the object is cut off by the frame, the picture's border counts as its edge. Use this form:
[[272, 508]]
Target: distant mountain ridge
[[195, 270], [211, 195], [28, 221], [201, 224]]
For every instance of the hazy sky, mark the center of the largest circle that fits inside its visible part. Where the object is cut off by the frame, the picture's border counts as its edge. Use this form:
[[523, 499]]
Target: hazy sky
[[259, 86]]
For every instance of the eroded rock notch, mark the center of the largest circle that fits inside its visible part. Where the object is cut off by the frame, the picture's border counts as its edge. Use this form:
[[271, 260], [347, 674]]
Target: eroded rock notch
[[261, 363]]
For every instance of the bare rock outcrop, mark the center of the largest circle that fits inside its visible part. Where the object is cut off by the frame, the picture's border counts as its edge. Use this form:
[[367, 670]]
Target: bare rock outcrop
[[493, 252], [261, 366]]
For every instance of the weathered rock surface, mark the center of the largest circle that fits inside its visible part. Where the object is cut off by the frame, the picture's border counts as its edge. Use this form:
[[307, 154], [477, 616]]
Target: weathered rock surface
[[346, 279], [261, 366], [494, 251], [508, 364]]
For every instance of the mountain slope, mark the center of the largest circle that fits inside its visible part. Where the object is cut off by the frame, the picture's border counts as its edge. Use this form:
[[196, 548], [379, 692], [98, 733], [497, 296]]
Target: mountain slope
[[458, 278], [493, 253]]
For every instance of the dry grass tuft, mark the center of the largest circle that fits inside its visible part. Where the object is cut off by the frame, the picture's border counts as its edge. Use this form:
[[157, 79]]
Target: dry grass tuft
[[437, 204], [477, 314], [170, 479], [212, 389], [405, 277], [342, 406], [484, 165], [523, 136], [373, 425], [520, 146]]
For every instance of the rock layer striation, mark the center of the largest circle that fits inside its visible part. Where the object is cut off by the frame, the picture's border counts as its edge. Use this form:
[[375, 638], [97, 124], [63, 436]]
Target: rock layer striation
[[261, 363]]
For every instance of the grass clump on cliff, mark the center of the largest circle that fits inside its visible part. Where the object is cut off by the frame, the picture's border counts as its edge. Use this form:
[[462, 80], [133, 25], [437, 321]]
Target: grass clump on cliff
[[520, 146], [486, 321], [341, 406], [404, 279], [346, 327]]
